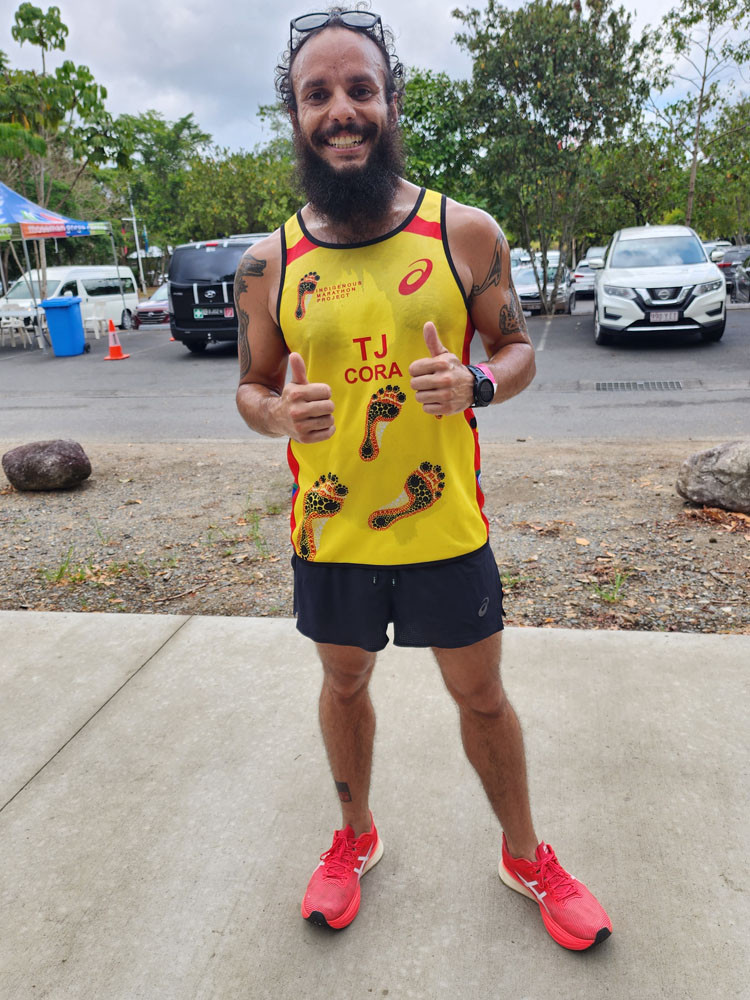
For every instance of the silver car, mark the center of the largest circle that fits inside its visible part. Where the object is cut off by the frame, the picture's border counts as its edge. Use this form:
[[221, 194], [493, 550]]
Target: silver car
[[583, 276], [528, 291]]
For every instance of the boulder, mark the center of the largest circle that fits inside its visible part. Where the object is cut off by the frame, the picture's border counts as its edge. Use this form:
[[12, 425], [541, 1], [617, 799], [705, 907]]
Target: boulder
[[718, 477], [46, 465]]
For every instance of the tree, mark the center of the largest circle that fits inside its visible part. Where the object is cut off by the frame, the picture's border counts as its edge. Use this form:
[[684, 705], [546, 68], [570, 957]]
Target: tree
[[704, 34], [550, 80], [438, 137]]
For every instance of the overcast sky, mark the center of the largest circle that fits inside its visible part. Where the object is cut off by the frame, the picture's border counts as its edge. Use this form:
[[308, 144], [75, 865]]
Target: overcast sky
[[216, 58]]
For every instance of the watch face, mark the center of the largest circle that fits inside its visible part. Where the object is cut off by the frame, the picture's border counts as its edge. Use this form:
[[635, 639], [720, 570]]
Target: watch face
[[485, 391]]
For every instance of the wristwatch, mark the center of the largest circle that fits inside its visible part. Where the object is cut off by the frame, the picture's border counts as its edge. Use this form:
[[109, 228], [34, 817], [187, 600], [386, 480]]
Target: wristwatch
[[484, 384]]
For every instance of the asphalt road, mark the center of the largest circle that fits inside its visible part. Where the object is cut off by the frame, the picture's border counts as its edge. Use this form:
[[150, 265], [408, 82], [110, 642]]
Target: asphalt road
[[164, 393]]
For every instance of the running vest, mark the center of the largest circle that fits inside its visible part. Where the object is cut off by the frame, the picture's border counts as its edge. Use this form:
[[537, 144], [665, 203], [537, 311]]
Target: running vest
[[394, 485]]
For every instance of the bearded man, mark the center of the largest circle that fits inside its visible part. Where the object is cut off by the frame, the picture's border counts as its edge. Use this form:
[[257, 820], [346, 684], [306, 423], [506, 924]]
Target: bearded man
[[369, 298]]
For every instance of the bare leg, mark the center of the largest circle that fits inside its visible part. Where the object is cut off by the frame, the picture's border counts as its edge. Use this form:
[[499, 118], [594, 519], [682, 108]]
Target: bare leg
[[347, 721], [492, 736]]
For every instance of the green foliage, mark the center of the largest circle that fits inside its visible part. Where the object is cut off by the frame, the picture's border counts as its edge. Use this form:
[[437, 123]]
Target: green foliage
[[550, 80], [438, 136]]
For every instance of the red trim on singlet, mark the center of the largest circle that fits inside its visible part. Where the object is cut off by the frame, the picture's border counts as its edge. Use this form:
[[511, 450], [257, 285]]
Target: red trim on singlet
[[469, 416], [294, 466], [421, 227], [299, 249]]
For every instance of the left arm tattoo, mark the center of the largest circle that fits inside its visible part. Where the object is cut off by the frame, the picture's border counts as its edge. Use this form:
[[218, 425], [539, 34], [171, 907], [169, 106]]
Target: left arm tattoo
[[495, 272], [511, 316], [250, 267]]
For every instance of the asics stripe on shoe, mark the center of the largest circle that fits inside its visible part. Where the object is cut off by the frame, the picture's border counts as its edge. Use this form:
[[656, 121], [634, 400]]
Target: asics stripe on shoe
[[571, 914], [333, 895]]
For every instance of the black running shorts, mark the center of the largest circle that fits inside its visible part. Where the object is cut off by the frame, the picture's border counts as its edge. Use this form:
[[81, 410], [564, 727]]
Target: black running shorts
[[448, 604]]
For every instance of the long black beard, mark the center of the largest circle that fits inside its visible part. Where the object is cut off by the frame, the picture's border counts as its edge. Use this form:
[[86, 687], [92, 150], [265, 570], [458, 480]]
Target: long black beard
[[354, 194]]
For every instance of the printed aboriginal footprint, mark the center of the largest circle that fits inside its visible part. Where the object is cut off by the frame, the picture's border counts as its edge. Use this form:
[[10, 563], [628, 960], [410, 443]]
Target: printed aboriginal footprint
[[324, 499], [304, 290], [384, 406], [423, 488]]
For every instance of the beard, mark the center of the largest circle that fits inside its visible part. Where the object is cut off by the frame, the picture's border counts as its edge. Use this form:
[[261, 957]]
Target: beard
[[352, 194]]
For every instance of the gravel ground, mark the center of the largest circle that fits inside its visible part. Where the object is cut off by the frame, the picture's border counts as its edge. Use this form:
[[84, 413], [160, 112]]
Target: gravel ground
[[586, 535]]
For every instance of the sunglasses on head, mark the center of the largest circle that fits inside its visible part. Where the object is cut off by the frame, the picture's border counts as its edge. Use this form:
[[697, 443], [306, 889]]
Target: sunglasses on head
[[358, 19]]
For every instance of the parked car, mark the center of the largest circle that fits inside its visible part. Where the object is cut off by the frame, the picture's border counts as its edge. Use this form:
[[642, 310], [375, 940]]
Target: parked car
[[528, 291], [583, 276], [658, 279], [734, 265], [106, 292], [154, 310], [201, 290]]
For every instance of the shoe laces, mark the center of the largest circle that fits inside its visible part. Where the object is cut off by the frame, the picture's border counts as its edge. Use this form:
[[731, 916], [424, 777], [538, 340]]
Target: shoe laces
[[338, 860], [554, 878]]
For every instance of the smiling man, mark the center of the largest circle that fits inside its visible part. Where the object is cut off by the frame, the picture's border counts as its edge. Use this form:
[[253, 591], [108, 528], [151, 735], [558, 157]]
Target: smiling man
[[368, 298]]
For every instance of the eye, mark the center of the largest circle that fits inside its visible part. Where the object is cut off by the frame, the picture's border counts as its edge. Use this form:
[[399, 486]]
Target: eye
[[361, 93], [315, 96]]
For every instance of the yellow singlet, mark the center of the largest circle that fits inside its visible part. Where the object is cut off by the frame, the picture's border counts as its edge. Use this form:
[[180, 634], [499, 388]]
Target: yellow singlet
[[393, 485]]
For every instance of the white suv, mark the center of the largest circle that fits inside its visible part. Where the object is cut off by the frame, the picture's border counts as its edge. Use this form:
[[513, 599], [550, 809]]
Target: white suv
[[656, 279]]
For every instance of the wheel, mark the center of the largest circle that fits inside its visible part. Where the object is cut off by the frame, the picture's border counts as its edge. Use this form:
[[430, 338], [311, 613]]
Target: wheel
[[126, 321], [717, 333], [571, 304], [600, 336], [86, 348], [196, 346]]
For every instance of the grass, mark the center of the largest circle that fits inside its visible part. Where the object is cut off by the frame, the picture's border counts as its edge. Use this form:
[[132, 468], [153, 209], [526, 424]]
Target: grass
[[611, 593]]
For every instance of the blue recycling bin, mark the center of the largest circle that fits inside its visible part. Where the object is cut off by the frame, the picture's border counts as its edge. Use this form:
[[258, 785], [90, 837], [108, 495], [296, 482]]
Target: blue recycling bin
[[65, 325]]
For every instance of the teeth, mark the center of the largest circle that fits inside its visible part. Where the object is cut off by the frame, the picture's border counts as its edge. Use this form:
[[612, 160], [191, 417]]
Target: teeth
[[344, 142]]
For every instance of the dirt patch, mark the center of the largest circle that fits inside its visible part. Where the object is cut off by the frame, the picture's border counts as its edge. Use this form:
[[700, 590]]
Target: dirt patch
[[586, 535]]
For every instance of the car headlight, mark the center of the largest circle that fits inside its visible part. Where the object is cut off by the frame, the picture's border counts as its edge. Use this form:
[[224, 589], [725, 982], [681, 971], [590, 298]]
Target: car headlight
[[708, 286], [620, 293]]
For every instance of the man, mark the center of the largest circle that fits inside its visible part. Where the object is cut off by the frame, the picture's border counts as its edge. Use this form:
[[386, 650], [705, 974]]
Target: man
[[370, 296]]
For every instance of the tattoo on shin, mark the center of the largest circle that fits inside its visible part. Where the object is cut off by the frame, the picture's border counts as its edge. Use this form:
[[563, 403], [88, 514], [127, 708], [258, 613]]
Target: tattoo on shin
[[495, 272], [511, 316], [343, 789]]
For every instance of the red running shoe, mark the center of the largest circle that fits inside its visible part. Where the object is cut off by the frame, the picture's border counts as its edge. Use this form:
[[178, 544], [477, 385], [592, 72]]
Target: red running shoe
[[573, 917], [332, 896]]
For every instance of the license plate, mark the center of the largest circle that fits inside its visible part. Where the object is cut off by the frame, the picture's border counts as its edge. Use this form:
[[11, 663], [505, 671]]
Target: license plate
[[228, 312], [202, 313], [664, 317]]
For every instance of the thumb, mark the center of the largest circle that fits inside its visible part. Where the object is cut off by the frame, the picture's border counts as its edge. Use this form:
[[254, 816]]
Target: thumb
[[297, 369], [432, 340]]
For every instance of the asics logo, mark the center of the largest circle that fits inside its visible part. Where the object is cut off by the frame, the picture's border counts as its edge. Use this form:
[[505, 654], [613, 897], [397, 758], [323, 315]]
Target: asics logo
[[421, 270], [364, 859], [483, 608]]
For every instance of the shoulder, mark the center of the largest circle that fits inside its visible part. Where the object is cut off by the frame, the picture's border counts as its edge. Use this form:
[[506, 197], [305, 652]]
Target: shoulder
[[465, 223], [266, 252]]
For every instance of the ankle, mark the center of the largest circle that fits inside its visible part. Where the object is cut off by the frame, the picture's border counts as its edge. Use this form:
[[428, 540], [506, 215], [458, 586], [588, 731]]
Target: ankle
[[525, 849], [361, 823]]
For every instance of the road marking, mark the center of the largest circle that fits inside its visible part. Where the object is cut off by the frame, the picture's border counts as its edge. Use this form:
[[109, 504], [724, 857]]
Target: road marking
[[543, 341]]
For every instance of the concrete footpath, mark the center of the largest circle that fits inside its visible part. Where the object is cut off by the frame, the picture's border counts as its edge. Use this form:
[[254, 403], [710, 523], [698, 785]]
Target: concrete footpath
[[165, 796]]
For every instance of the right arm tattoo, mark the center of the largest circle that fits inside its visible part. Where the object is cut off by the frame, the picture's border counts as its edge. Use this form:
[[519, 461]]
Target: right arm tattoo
[[495, 272], [511, 315], [250, 267]]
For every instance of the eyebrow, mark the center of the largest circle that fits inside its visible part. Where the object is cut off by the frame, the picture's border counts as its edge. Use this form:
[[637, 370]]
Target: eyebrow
[[322, 81]]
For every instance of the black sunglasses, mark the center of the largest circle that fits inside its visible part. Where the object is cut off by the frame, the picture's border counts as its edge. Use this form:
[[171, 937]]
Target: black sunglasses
[[359, 19]]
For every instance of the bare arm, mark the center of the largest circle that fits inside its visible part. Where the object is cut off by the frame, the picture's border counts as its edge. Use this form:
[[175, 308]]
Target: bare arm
[[297, 409], [482, 257]]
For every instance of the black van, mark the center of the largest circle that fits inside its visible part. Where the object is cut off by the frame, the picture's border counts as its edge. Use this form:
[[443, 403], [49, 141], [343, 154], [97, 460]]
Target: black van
[[201, 290]]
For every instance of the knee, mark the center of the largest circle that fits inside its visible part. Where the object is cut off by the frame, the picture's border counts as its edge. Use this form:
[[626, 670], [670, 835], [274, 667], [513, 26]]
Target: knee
[[487, 700], [347, 683]]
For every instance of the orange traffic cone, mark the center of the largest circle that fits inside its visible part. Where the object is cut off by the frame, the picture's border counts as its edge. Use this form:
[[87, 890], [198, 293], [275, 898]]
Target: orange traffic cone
[[115, 348]]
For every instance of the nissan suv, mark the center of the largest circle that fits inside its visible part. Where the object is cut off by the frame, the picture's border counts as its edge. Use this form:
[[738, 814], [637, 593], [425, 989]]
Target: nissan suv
[[657, 279], [201, 290]]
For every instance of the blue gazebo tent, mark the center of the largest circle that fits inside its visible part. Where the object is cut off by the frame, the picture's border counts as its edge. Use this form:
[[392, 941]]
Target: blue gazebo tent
[[25, 220]]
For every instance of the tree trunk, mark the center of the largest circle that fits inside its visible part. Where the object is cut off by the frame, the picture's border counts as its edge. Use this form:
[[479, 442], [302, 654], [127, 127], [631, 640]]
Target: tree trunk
[[696, 134]]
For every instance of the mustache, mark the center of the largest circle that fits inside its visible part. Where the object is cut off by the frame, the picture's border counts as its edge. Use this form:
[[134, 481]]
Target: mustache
[[362, 131]]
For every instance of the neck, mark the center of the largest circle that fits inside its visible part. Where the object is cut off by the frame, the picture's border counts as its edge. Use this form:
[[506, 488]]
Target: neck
[[360, 230]]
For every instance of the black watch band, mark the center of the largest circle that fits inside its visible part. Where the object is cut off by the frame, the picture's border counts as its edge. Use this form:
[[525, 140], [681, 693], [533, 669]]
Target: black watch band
[[484, 387]]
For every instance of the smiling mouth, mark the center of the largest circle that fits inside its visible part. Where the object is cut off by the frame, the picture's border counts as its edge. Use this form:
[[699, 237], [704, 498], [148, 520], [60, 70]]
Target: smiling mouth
[[344, 141]]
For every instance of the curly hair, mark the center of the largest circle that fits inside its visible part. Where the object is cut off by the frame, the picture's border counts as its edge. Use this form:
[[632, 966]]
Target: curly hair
[[394, 75]]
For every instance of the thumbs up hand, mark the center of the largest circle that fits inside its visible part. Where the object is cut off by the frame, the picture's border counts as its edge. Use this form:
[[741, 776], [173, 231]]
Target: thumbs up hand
[[306, 407], [441, 383]]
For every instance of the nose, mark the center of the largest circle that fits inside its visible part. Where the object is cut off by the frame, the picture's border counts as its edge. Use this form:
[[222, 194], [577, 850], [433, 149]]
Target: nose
[[341, 108]]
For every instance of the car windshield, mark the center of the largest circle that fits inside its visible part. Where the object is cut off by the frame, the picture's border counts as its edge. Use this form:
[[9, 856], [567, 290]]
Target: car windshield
[[20, 289], [659, 251], [205, 263], [525, 275], [161, 293]]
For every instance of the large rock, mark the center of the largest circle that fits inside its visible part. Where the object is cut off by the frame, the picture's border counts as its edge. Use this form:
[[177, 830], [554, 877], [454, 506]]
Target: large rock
[[46, 465], [718, 477]]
